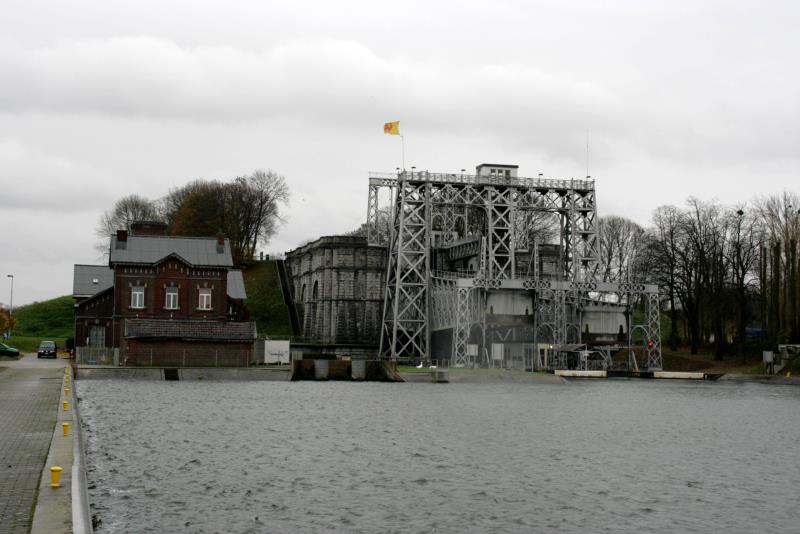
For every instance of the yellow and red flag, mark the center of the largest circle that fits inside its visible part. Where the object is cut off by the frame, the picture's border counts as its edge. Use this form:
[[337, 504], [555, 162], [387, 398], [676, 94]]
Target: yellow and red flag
[[392, 128]]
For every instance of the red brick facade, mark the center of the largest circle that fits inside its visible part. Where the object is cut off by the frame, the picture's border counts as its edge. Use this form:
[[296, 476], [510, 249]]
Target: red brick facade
[[184, 308]]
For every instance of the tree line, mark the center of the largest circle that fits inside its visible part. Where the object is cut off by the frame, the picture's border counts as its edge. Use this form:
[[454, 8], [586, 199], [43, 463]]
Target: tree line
[[725, 271], [247, 210]]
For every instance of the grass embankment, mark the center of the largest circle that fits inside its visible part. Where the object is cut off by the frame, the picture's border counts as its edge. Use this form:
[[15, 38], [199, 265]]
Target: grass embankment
[[52, 320], [265, 300]]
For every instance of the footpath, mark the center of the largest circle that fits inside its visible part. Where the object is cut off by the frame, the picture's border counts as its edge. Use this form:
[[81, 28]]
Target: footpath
[[32, 396]]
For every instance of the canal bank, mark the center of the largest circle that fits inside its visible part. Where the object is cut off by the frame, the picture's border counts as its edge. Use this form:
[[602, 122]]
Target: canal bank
[[269, 374], [32, 396], [63, 504]]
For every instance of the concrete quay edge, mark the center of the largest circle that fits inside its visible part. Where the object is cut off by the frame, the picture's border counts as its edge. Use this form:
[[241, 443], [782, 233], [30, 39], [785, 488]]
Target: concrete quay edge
[[65, 508]]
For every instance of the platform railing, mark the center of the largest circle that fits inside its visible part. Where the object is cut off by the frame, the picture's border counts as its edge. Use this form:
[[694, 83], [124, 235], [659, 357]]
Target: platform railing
[[476, 179]]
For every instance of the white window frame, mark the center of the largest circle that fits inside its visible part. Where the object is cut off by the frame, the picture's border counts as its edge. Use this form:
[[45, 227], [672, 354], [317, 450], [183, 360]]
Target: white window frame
[[204, 299], [171, 298], [97, 336], [137, 297]]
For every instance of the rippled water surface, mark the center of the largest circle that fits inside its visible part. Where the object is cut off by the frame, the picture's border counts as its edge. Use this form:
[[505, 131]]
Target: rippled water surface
[[591, 456]]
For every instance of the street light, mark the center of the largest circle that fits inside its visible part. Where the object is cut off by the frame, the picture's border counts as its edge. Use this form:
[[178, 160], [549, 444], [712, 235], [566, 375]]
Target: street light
[[11, 303]]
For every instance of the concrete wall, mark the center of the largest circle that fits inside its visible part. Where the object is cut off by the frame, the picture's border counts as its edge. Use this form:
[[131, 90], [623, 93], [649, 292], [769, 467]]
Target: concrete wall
[[127, 373], [338, 286]]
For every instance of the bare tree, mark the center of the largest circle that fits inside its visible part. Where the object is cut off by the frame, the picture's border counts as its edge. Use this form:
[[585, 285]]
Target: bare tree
[[743, 256], [259, 198], [125, 212], [663, 257], [780, 218], [620, 242], [706, 232]]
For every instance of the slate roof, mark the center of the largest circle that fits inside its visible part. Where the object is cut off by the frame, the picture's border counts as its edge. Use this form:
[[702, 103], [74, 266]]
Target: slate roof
[[236, 288], [188, 329], [197, 251], [88, 280]]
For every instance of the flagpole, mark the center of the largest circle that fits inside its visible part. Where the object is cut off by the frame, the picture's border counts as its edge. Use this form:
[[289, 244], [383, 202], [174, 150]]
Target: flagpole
[[403, 142]]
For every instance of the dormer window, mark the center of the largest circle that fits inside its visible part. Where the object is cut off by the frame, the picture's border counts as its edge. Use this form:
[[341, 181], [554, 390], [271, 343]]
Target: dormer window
[[171, 298]]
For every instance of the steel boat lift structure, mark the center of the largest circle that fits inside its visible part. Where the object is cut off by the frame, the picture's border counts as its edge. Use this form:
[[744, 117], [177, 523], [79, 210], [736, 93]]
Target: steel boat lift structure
[[490, 216]]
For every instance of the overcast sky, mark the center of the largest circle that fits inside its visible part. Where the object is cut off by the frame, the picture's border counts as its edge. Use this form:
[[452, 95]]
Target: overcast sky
[[102, 99]]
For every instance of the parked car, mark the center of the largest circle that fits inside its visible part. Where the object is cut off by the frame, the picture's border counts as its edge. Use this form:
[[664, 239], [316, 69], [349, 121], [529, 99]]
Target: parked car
[[47, 349], [5, 350]]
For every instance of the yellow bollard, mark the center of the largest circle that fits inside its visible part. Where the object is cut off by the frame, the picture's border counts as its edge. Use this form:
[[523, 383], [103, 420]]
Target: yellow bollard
[[55, 476], [65, 427], [66, 406], [66, 392]]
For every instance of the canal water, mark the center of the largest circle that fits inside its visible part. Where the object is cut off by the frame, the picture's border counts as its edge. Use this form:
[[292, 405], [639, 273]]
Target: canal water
[[590, 456]]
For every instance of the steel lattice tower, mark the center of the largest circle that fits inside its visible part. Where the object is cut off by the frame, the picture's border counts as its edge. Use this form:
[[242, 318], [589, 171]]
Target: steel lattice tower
[[419, 299]]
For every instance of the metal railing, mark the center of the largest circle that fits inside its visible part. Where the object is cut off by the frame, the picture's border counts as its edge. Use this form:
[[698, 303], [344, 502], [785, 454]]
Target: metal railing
[[453, 275], [457, 178], [163, 357], [96, 356]]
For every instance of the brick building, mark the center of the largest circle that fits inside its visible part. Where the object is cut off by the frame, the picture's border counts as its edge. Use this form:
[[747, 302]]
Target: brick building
[[337, 285], [163, 300]]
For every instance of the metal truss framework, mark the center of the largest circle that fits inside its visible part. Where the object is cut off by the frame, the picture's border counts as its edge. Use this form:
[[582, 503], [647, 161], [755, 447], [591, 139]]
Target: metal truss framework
[[418, 301], [470, 311], [653, 346], [406, 302]]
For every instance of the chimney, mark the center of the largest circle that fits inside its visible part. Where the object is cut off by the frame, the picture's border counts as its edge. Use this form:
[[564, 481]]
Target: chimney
[[122, 239], [220, 243]]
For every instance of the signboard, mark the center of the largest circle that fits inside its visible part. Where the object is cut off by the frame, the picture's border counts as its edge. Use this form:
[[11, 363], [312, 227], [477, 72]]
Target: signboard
[[497, 352], [276, 351]]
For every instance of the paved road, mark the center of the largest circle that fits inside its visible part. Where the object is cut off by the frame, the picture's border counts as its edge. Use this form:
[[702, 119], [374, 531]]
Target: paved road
[[29, 393]]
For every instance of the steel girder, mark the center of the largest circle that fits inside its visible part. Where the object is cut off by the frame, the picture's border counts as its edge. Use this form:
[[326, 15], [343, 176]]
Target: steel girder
[[422, 196], [653, 332], [443, 303], [500, 218], [372, 213], [405, 330], [468, 312], [505, 202]]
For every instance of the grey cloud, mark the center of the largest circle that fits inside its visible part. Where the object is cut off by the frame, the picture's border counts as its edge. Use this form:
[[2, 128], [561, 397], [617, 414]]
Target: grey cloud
[[340, 81], [33, 180]]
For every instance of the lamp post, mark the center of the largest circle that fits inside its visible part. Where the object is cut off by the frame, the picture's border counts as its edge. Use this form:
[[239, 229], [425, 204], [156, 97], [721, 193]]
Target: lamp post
[[11, 303]]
